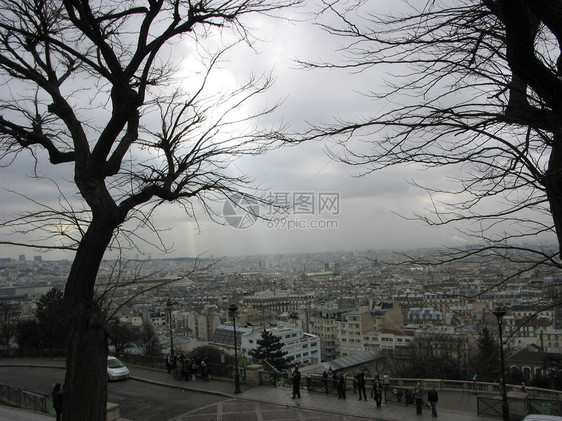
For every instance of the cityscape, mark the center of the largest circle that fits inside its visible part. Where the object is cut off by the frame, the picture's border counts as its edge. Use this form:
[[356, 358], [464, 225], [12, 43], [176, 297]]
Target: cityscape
[[322, 307]]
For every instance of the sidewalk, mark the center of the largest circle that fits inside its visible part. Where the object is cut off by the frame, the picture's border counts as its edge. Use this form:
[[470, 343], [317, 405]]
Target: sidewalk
[[456, 406], [13, 414]]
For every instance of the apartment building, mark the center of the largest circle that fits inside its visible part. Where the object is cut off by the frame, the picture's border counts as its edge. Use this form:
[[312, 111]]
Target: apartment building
[[278, 303], [351, 331], [388, 340], [203, 325], [324, 324]]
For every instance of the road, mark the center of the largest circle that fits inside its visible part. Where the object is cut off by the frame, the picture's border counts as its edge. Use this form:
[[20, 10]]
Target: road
[[138, 401]]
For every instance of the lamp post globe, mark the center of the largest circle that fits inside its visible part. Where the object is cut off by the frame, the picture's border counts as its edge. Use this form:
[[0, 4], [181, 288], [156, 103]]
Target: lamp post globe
[[500, 312], [233, 312]]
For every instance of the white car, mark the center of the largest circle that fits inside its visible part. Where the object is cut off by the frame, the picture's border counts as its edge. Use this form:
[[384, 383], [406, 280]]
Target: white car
[[539, 417], [116, 370]]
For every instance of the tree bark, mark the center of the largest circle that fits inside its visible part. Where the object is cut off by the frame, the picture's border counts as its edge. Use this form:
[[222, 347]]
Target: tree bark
[[553, 186], [85, 394]]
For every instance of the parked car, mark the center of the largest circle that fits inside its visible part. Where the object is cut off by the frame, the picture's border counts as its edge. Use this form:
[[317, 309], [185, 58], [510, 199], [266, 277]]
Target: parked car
[[116, 370], [539, 417]]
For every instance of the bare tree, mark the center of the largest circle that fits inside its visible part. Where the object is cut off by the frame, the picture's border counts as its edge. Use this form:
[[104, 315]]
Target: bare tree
[[85, 84], [473, 85]]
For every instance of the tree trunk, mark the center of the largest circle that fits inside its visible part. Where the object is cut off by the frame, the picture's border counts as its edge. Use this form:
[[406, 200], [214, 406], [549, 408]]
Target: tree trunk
[[553, 186], [85, 394]]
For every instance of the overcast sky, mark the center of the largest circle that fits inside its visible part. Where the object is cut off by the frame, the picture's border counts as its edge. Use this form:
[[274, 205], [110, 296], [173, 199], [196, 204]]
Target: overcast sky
[[347, 212]]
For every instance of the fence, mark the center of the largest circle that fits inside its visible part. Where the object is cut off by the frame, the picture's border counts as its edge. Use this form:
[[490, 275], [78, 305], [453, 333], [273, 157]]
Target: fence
[[489, 406], [32, 353], [26, 400], [223, 371], [545, 407]]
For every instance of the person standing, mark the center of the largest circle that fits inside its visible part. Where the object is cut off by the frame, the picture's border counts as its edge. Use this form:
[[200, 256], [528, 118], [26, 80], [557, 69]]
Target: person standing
[[341, 385], [57, 395], [418, 396], [361, 384], [432, 398], [169, 363], [325, 381], [296, 383], [377, 392]]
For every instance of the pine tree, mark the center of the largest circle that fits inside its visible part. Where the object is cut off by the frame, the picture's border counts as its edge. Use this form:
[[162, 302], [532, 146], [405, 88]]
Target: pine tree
[[270, 349], [487, 359]]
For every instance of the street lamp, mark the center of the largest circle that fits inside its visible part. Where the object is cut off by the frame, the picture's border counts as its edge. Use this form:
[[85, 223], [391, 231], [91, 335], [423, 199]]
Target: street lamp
[[169, 307], [233, 312], [499, 312]]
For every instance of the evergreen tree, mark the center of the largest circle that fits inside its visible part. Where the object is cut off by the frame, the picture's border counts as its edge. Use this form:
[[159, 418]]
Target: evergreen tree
[[270, 349], [49, 330], [50, 315], [28, 334], [487, 361], [9, 317]]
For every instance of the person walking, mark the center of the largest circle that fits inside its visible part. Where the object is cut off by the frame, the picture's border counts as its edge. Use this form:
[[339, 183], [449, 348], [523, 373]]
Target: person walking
[[296, 383], [377, 393], [341, 385], [432, 398], [361, 384], [418, 396], [57, 395]]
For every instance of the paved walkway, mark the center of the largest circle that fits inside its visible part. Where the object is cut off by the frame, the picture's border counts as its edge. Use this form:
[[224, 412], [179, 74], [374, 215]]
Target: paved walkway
[[270, 403], [455, 406]]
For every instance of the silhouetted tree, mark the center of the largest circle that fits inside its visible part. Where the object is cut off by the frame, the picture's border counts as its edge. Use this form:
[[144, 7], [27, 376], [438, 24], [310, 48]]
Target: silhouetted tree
[[473, 86], [436, 356], [28, 334], [122, 335], [9, 317], [487, 358], [93, 89], [269, 348], [211, 353], [50, 316], [152, 346]]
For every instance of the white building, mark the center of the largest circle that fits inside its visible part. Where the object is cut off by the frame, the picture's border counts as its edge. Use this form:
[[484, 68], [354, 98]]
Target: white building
[[388, 339], [303, 348]]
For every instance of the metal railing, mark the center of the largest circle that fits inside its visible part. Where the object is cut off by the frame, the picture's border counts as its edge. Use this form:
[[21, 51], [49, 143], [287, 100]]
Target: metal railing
[[26, 400], [223, 371], [545, 407], [32, 353], [491, 407]]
